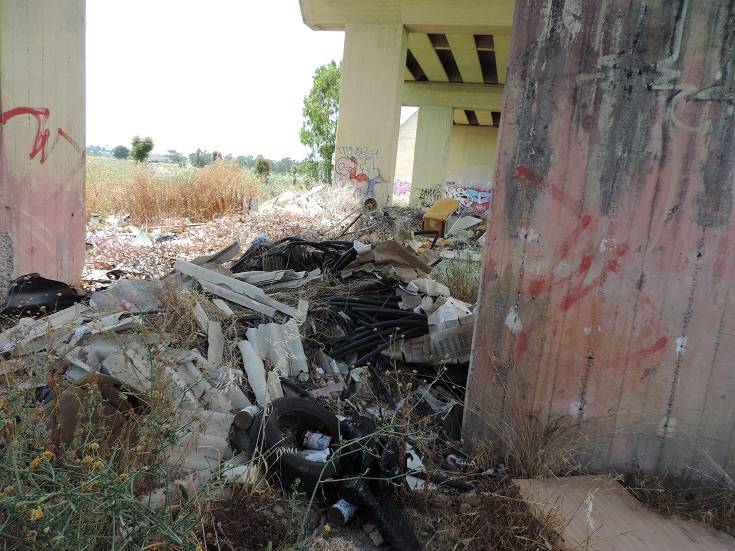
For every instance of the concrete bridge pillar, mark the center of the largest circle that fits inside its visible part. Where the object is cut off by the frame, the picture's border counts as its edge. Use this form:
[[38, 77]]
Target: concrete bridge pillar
[[41, 139], [370, 107], [433, 131]]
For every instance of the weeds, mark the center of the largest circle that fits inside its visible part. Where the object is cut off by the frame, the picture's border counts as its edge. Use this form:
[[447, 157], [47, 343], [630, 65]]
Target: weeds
[[150, 195], [70, 471], [710, 499], [461, 276]]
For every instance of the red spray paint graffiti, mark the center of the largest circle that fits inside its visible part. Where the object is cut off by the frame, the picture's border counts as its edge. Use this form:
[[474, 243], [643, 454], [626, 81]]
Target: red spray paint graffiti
[[577, 288], [41, 139]]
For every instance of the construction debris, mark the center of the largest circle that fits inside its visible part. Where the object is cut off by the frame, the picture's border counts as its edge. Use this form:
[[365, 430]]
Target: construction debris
[[283, 337]]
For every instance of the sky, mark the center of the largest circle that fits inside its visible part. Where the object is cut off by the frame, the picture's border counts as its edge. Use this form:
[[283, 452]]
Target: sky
[[225, 75]]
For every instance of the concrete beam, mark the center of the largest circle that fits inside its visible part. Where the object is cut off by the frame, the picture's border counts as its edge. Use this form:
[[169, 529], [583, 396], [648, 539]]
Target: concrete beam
[[465, 54], [502, 54], [478, 16], [461, 96]]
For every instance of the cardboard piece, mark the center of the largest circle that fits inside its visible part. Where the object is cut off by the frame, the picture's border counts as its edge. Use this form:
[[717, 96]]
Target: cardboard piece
[[599, 514]]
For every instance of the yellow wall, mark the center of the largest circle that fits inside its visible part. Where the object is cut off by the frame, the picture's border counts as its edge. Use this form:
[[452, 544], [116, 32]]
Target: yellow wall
[[471, 163], [42, 139]]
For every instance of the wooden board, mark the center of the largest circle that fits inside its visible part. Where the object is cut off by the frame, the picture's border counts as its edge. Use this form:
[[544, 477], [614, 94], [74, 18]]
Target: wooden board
[[599, 514]]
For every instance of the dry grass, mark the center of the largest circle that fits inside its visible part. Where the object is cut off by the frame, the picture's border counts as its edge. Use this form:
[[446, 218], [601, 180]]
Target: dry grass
[[150, 194], [245, 521], [530, 447], [461, 276], [70, 471], [494, 517], [710, 499]]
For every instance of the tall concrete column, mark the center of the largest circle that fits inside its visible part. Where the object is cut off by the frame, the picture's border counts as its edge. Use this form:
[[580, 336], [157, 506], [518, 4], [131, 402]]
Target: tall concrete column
[[41, 139], [433, 131], [370, 108], [606, 294]]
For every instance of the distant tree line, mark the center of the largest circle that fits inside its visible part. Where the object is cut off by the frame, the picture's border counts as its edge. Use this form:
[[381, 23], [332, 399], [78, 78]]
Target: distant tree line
[[141, 148]]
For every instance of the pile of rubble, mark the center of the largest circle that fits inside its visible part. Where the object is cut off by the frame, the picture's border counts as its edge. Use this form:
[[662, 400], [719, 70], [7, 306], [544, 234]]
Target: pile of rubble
[[293, 369]]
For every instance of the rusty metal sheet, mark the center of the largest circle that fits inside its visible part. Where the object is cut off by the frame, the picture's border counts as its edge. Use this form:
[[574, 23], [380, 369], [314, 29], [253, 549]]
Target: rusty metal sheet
[[605, 292]]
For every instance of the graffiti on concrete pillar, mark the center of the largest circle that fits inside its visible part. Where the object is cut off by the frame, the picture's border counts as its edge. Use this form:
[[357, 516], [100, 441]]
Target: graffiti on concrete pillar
[[430, 195], [357, 166], [401, 187], [667, 76], [42, 145]]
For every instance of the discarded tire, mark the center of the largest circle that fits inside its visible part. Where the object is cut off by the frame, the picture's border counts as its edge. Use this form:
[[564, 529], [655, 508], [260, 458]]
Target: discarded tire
[[270, 431]]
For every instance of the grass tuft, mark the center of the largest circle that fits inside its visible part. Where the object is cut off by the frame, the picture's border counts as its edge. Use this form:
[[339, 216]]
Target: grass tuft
[[461, 276]]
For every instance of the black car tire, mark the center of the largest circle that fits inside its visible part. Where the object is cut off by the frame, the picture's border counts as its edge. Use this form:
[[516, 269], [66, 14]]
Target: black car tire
[[300, 414]]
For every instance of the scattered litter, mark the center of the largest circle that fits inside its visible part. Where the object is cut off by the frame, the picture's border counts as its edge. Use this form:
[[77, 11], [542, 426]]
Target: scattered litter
[[257, 351]]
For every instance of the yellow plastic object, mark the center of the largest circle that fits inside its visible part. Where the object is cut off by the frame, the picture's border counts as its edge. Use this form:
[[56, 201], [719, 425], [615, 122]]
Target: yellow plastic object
[[437, 215]]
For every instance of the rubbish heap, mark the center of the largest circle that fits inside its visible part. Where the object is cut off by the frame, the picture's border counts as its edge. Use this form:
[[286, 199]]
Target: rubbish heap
[[299, 350]]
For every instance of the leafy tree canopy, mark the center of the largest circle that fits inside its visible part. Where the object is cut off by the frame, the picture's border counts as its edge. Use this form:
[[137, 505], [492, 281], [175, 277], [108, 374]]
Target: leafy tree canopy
[[121, 152], [321, 108], [175, 157], [200, 158], [262, 166], [142, 147]]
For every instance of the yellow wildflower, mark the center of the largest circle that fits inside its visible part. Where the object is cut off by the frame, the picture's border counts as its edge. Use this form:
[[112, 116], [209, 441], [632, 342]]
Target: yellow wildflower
[[55, 540], [94, 446], [6, 491], [199, 548], [88, 460], [35, 463], [90, 487], [123, 477], [99, 464], [35, 514], [31, 535], [49, 455]]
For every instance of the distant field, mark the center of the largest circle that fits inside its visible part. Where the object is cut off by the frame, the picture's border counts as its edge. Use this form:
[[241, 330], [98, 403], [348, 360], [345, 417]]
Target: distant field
[[153, 191]]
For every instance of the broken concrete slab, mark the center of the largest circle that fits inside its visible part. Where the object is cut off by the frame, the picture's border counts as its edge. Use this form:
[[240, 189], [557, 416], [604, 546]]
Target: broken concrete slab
[[135, 295], [255, 371], [239, 287], [223, 307], [216, 343], [201, 317]]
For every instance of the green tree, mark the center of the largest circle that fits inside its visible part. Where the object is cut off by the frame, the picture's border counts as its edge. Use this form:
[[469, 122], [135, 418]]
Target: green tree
[[175, 157], [216, 156], [200, 158], [283, 166], [97, 151], [142, 147], [246, 161], [321, 107], [121, 152], [262, 166]]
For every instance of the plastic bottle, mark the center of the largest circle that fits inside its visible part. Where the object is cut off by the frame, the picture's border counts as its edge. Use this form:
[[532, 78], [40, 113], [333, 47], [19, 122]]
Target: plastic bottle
[[340, 513]]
